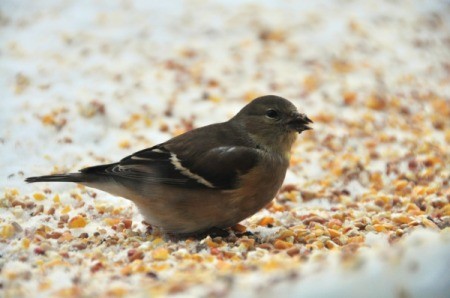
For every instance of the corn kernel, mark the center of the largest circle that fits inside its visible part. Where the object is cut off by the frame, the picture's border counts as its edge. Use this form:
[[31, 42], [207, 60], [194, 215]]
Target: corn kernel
[[160, 254], [7, 231], [56, 199], [265, 221], [111, 221], [77, 222], [280, 244], [39, 196]]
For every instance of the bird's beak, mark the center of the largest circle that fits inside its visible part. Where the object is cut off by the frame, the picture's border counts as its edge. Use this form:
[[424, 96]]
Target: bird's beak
[[299, 122]]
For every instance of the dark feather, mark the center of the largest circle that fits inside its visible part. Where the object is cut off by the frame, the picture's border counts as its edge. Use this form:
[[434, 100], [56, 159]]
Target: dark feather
[[72, 177], [220, 167], [223, 166]]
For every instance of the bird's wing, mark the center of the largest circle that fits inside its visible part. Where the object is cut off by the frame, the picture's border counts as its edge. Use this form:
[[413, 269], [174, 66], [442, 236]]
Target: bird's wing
[[222, 166], [217, 168]]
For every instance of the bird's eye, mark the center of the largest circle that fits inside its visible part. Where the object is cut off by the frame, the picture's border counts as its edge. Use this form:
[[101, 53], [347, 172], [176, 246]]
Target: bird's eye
[[272, 114]]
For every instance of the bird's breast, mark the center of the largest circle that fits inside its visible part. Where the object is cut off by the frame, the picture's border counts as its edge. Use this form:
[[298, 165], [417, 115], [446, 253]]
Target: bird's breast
[[259, 186]]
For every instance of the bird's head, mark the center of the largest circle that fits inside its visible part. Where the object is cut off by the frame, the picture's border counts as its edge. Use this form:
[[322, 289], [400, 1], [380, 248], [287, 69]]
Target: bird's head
[[272, 122]]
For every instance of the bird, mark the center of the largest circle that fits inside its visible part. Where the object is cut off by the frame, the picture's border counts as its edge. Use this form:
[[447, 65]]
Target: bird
[[211, 177]]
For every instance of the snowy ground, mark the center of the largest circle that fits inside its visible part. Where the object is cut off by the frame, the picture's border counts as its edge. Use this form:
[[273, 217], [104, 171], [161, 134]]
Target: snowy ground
[[365, 211]]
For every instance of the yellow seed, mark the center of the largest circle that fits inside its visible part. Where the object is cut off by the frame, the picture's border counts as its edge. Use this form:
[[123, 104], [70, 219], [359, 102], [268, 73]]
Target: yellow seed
[[248, 243], [401, 219], [65, 237], [310, 83], [11, 275], [66, 209], [117, 292], [343, 239], [280, 244], [45, 285], [148, 122], [330, 244], [160, 254], [383, 198], [419, 190], [126, 270], [197, 258], [334, 233], [73, 291], [157, 241], [26, 243], [292, 195], [215, 98], [400, 184], [55, 263], [7, 231], [56, 199], [117, 211], [349, 97], [211, 243], [379, 228], [445, 210], [271, 265], [125, 144], [318, 244], [413, 208], [426, 173], [431, 189], [48, 119], [77, 222], [356, 239], [159, 267], [39, 196], [375, 103], [277, 207], [76, 196], [429, 224], [318, 232], [447, 136], [285, 234], [267, 220], [342, 66], [299, 233], [111, 221]]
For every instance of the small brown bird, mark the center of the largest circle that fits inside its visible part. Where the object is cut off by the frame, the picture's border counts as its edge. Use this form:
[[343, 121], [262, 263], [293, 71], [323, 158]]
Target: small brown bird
[[210, 177]]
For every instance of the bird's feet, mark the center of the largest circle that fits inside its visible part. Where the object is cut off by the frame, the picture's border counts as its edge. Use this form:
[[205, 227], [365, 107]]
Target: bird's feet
[[246, 233], [217, 232]]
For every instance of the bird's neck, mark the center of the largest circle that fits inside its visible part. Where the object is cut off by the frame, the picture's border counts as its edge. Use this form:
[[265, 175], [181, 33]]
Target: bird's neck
[[275, 141], [280, 144]]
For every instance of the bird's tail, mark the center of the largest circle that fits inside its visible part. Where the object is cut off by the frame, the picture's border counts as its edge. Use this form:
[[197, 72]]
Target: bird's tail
[[87, 176], [71, 177]]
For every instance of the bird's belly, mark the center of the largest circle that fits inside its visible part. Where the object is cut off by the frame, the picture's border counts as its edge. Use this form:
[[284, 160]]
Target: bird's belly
[[183, 210], [188, 212]]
